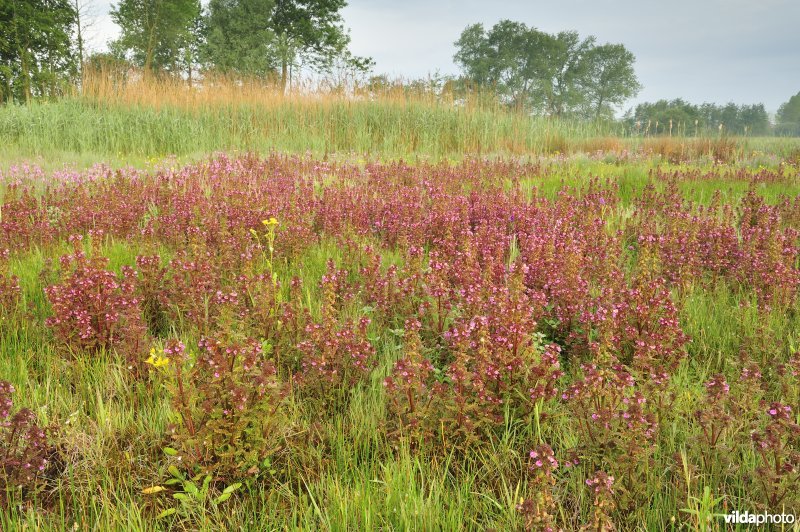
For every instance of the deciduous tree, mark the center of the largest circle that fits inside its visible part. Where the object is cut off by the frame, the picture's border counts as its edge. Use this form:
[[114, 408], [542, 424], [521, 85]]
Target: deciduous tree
[[559, 74], [611, 80], [239, 37], [310, 29], [36, 53], [788, 118], [155, 33]]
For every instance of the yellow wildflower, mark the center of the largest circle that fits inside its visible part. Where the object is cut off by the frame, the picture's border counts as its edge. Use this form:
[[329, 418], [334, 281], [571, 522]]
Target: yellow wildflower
[[271, 221], [157, 361]]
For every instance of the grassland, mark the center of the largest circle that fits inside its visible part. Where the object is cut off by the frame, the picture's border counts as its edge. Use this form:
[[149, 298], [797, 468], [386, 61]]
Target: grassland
[[138, 121], [378, 309]]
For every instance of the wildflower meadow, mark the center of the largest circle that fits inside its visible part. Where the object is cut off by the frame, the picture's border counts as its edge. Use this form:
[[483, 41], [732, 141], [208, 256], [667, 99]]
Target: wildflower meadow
[[571, 342]]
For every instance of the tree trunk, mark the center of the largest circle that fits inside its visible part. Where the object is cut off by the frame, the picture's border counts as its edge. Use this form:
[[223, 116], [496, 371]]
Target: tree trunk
[[26, 76], [151, 45], [599, 107], [284, 73], [79, 29]]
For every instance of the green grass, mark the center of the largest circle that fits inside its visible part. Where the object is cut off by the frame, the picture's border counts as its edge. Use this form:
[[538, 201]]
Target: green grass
[[77, 126], [110, 426], [114, 434], [113, 431]]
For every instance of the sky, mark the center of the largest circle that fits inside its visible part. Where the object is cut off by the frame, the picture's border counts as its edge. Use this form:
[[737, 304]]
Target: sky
[[742, 51]]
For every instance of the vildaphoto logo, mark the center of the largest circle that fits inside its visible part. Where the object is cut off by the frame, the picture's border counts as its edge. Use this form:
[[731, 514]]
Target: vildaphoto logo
[[746, 518]]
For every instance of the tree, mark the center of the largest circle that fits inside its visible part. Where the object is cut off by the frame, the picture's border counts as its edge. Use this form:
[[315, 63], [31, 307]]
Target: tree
[[36, 55], [755, 118], [239, 38], [477, 58], [85, 18], [569, 71], [312, 30], [654, 117], [788, 117], [611, 80], [700, 119], [263, 37], [155, 33], [508, 59], [554, 74], [511, 59]]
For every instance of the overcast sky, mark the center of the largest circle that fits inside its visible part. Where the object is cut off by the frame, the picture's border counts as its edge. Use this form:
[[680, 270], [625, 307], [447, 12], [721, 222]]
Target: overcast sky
[[745, 51]]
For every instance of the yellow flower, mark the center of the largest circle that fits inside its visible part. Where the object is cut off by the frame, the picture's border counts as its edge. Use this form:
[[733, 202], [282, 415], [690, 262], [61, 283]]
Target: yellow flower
[[157, 361], [271, 221]]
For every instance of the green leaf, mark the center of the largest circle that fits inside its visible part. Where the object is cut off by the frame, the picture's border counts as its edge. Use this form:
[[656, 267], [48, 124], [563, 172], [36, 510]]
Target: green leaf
[[232, 488], [180, 496], [175, 472], [190, 487], [169, 451], [222, 498], [166, 513]]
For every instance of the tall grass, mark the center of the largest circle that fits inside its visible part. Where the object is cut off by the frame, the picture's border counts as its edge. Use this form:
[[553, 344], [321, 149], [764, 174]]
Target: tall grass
[[158, 117], [114, 115]]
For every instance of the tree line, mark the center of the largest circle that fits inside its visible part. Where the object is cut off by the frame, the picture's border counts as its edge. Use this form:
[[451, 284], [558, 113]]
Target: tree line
[[678, 117], [565, 75], [254, 38], [42, 42]]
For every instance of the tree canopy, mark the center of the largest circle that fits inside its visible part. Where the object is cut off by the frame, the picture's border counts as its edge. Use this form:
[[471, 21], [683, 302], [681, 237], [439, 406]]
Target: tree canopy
[[688, 119], [239, 38], [36, 51], [156, 34], [558, 75], [788, 118], [261, 37], [312, 29]]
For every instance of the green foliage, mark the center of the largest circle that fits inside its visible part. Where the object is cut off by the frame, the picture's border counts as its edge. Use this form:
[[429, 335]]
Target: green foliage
[[689, 119], [308, 29], [788, 119], [559, 74], [239, 38], [196, 496], [36, 55], [612, 79], [155, 34], [268, 37]]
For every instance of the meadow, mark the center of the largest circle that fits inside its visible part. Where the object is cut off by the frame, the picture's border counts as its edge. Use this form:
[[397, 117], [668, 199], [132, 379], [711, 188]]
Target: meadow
[[390, 315]]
